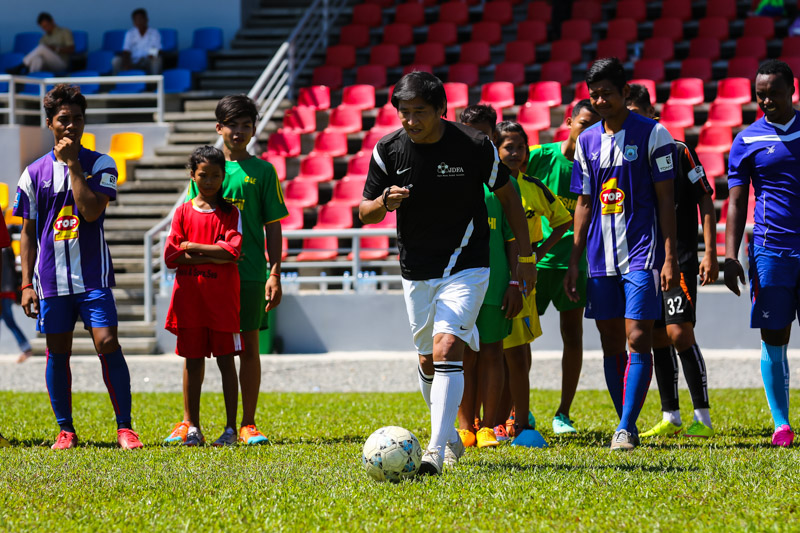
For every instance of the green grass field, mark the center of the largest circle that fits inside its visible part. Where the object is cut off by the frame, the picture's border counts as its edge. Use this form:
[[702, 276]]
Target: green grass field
[[311, 478]]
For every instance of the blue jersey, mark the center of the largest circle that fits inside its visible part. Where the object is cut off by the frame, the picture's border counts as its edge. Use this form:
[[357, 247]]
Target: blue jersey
[[768, 155], [618, 172]]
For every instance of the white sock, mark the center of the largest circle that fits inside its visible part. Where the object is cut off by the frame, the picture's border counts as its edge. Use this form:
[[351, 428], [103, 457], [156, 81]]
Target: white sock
[[672, 416], [425, 382], [446, 393], [703, 416]]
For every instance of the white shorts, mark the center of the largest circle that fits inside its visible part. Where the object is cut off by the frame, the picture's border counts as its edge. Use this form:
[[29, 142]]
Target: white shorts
[[446, 305]]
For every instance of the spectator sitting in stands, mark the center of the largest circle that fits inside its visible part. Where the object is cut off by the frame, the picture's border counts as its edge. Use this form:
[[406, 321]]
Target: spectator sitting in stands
[[141, 48], [52, 53]]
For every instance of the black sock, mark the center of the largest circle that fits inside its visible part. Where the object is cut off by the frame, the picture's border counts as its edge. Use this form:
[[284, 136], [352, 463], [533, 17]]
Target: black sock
[[666, 369], [67, 426], [124, 425], [694, 370]]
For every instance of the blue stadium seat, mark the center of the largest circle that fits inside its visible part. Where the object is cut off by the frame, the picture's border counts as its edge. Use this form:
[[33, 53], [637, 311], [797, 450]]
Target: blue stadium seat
[[87, 88], [100, 61], [130, 88], [169, 39], [26, 41], [81, 39], [10, 60], [30, 88], [177, 80], [113, 39], [193, 59], [207, 38]]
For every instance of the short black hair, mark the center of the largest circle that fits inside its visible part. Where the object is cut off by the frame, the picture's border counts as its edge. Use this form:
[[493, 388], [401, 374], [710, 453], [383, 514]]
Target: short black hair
[[139, 11], [213, 156], [774, 66], [639, 96], [61, 95], [607, 68], [506, 127], [479, 114], [420, 85], [234, 106], [44, 16], [581, 105]]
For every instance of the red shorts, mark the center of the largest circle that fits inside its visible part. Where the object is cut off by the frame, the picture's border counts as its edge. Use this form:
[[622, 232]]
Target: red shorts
[[196, 343]]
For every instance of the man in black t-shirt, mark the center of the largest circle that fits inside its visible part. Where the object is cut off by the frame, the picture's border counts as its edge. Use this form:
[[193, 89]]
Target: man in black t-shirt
[[432, 171], [675, 331]]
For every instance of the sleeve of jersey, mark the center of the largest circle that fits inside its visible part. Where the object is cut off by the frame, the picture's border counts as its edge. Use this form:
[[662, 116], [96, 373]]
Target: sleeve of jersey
[[25, 205], [232, 242], [103, 178], [558, 214], [662, 153], [740, 165], [498, 173], [5, 238], [695, 173], [272, 200], [378, 175], [581, 180], [176, 236]]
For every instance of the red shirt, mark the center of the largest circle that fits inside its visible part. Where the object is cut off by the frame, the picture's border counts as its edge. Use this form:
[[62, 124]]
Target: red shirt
[[204, 295]]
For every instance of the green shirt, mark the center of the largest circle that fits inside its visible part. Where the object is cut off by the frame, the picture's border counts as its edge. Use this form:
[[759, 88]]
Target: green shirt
[[252, 185], [499, 234], [549, 165]]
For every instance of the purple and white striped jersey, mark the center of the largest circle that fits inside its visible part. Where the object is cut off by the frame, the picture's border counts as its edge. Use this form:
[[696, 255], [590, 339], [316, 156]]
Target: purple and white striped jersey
[[72, 254], [618, 172]]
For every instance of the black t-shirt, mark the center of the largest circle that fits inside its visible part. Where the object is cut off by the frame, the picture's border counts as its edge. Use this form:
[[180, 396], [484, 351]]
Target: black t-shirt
[[691, 186], [442, 227]]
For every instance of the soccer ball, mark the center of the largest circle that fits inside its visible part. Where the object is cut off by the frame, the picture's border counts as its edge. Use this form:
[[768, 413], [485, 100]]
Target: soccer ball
[[391, 454]]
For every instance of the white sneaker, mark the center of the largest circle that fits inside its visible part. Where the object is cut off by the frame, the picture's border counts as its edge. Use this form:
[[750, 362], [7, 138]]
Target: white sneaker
[[194, 437], [623, 441], [228, 438], [453, 452], [431, 464]]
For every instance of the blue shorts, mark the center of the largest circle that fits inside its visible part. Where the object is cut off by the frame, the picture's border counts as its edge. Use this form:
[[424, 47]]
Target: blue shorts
[[635, 295], [774, 287], [58, 314]]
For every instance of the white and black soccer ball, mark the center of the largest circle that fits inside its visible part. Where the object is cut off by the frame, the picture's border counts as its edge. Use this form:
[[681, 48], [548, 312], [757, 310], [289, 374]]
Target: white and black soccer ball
[[391, 454]]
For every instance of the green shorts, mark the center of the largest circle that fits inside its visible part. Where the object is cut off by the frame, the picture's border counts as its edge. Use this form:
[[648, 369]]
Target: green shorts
[[252, 301], [493, 326], [550, 288]]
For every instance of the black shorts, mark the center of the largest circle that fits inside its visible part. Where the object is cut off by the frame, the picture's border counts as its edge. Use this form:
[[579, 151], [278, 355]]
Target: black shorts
[[680, 302]]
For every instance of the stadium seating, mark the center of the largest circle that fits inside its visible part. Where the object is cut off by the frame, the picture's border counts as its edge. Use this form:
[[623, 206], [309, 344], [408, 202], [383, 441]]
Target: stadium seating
[[443, 32], [4, 195], [686, 91], [316, 96], [546, 92], [568, 50], [341, 55], [560, 71], [584, 9], [355, 35], [658, 48], [751, 46], [301, 193], [742, 67], [635, 9], [31, 88], [520, 52], [534, 116], [681, 9], [26, 41], [113, 40], [475, 52], [358, 166], [399, 34], [177, 80], [370, 140], [12, 220], [432, 54], [100, 61], [316, 168], [498, 11], [511, 72], [278, 162], [612, 47], [359, 96], [208, 39], [713, 164], [295, 218], [374, 75], [759, 27], [577, 29], [721, 8], [193, 59], [334, 216], [125, 147], [670, 27], [284, 143], [333, 143], [412, 13], [651, 69], [625, 29], [498, 94], [319, 249], [169, 40], [489, 32], [372, 248], [651, 87], [734, 90], [533, 31], [724, 114], [714, 28], [705, 47], [81, 41], [88, 141], [677, 115], [696, 67], [455, 12], [367, 14], [328, 76], [129, 88], [714, 139], [90, 88], [466, 73], [540, 10], [344, 119], [348, 192]]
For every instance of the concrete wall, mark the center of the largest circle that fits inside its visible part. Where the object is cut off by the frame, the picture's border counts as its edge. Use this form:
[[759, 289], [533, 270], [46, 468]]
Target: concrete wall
[[95, 17]]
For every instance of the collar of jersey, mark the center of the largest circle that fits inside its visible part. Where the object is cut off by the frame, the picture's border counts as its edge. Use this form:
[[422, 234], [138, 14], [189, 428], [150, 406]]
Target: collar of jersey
[[782, 127], [194, 206], [53, 155]]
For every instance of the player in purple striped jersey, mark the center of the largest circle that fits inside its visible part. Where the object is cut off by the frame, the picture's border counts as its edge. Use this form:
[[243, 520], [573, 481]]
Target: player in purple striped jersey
[[623, 171], [66, 266]]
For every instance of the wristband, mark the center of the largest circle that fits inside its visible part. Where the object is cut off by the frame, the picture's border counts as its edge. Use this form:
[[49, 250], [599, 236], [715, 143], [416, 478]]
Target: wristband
[[531, 259], [385, 197], [276, 275], [514, 283], [28, 286]]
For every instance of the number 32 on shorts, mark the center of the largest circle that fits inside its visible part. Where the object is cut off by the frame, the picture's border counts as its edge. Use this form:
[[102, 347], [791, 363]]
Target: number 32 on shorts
[[675, 305]]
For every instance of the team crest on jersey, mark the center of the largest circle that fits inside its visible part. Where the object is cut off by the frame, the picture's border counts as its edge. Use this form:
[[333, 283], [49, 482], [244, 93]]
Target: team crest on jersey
[[66, 225], [631, 152], [446, 171], [612, 198], [16, 200]]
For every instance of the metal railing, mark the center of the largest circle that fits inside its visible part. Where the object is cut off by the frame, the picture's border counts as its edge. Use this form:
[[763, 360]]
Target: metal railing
[[36, 88]]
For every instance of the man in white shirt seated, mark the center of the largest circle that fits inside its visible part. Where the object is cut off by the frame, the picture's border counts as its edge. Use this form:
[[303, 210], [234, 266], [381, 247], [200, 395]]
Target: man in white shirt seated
[[141, 48]]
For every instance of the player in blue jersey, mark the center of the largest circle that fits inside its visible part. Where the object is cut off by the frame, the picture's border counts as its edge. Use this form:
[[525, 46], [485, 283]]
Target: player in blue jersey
[[623, 171], [66, 265], [766, 154]]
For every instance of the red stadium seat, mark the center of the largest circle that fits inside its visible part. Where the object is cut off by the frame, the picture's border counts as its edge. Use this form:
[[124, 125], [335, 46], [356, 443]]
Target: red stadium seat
[[344, 119], [385, 54], [510, 71], [476, 53], [490, 32], [724, 114], [372, 248], [742, 67], [359, 96], [560, 71], [374, 75], [534, 116], [650, 69], [545, 92], [791, 46], [759, 27], [714, 139], [499, 11], [348, 192], [367, 14], [625, 29], [678, 115], [332, 143], [681, 9], [633, 9], [706, 47], [498, 94], [341, 55], [466, 73], [687, 91], [412, 13], [534, 31], [278, 162], [669, 27], [584, 9], [301, 193], [793, 62], [581, 91], [284, 143], [714, 27], [562, 134], [577, 29], [566, 50], [713, 164], [651, 87], [676, 131], [540, 10], [612, 47], [432, 54], [455, 12], [383, 4], [387, 119], [327, 75], [658, 48], [370, 140], [734, 91], [721, 8], [319, 249], [696, 67], [316, 168], [300, 119], [358, 166], [751, 47], [457, 94], [399, 34], [334, 216], [295, 218], [796, 94], [443, 32], [521, 52], [354, 34], [316, 96]]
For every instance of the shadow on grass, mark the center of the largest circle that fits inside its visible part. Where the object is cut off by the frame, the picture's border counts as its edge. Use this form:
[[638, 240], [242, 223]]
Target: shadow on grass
[[47, 443], [505, 466]]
